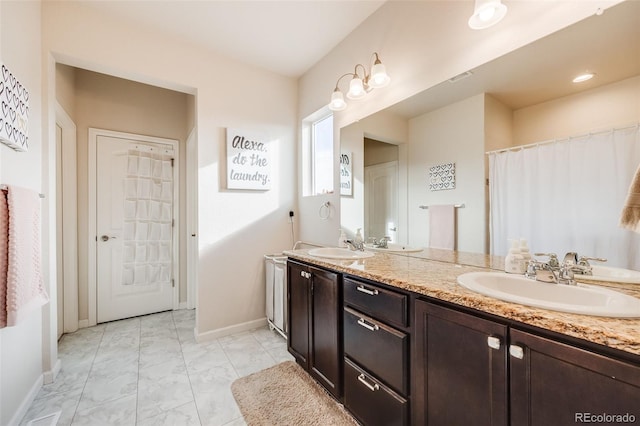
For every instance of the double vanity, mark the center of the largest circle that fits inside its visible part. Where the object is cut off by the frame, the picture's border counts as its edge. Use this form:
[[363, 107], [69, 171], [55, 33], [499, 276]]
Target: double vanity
[[399, 341]]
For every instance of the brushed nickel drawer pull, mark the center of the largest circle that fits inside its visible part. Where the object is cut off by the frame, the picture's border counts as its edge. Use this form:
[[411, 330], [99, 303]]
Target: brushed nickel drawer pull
[[372, 327], [365, 290], [372, 387]]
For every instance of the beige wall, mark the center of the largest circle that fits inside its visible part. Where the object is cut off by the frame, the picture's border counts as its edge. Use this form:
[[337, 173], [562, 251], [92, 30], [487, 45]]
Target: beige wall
[[24, 349], [235, 228], [453, 134], [613, 105], [376, 152], [111, 103], [421, 45]]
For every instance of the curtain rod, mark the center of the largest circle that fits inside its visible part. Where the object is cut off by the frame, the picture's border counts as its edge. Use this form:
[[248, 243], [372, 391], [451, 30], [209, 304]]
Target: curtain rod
[[4, 187], [531, 145]]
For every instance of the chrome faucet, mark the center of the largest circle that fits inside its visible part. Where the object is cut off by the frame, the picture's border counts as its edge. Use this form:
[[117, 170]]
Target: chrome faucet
[[355, 245], [554, 272]]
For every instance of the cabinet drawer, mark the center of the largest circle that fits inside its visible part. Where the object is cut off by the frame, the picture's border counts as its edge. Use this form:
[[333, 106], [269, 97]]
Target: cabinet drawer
[[378, 302], [380, 349], [370, 401]]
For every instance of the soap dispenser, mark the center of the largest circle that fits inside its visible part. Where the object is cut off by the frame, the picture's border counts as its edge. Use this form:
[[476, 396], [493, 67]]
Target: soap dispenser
[[342, 239], [358, 239], [513, 263]]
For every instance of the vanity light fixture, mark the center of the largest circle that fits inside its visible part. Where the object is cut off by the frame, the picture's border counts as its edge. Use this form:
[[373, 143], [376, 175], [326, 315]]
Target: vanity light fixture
[[360, 84], [487, 13], [584, 77]]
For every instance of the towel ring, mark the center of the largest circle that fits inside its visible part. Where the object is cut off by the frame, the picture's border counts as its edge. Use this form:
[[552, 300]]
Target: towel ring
[[325, 211]]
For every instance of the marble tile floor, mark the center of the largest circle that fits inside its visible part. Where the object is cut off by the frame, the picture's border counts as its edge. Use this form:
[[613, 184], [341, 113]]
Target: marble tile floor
[[150, 371]]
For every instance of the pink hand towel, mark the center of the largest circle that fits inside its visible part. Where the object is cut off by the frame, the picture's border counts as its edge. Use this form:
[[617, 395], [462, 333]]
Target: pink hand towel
[[24, 286], [630, 217], [4, 256], [442, 227]]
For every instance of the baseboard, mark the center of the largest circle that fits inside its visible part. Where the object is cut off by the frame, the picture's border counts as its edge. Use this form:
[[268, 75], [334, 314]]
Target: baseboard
[[50, 376], [27, 401], [83, 323], [232, 329]]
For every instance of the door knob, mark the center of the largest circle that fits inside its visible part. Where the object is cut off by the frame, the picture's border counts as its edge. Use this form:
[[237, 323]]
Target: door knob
[[106, 238], [394, 229]]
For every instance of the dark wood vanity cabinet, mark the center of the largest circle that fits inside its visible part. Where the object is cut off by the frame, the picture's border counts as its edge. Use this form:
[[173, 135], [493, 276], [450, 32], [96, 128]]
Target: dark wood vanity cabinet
[[556, 383], [459, 369], [376, 353], [471, 370], [314, 335]]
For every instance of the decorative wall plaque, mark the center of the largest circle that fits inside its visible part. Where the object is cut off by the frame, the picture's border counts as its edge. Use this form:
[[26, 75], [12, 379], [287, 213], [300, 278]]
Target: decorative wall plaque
[[442, 176], [14, 111]]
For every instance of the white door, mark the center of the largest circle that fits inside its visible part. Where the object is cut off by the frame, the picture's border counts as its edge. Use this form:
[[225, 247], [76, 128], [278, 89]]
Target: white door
[[381, 200], [134, 227]]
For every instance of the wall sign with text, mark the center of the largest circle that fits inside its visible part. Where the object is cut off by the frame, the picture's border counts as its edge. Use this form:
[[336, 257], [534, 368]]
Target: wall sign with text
[[248, 160], [14, 111], [346, 173]]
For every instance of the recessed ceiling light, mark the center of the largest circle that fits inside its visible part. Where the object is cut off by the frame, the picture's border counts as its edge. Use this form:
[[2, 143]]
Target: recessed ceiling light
[[583, 77]]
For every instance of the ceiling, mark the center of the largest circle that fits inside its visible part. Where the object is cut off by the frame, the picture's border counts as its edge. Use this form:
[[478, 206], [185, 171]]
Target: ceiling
[[608, 45], [287, 37]]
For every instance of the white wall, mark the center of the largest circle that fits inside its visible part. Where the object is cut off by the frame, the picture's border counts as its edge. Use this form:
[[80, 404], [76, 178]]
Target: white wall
[[452, 134], [236, 228], [421, 45], [24, 352]]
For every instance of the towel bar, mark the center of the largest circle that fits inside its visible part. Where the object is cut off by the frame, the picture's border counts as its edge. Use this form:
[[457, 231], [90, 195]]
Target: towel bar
[[5, 187], [458, 206]]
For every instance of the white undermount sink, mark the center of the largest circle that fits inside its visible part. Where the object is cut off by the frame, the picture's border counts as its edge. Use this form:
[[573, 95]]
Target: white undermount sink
[[339, 253], [607, 273], [393, 248], [580, 299]]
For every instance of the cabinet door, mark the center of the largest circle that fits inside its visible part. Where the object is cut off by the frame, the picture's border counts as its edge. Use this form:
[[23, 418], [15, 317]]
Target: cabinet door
[[325, 342], [556, 384], [459, 369], [298, 315]]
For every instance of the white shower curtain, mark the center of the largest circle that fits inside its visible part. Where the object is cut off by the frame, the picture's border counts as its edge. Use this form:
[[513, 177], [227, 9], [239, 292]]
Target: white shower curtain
[[148, 214], [566, 195]]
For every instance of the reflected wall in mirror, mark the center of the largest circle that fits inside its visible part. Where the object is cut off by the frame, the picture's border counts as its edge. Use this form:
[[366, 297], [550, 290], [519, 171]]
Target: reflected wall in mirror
[[521, 98]]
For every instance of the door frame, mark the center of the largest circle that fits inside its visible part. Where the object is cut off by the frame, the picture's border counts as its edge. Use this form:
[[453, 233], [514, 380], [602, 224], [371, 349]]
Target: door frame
[[68, 220], [92, 219]]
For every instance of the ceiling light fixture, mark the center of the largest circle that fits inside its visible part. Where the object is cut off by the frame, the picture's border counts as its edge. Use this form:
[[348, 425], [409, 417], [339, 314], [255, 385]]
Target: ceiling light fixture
[[584, 77], [360, 85], [487, 13]]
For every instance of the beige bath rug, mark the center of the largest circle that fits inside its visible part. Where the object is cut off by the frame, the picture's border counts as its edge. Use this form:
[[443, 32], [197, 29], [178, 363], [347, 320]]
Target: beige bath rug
[[286, 395]]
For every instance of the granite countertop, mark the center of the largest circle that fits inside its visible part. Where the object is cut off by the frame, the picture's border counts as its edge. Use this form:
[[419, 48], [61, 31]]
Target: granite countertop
[[433, 273]]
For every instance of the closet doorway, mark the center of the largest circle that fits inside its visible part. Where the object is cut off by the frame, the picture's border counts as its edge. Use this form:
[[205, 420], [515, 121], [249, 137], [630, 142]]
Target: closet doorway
[[132, 181]]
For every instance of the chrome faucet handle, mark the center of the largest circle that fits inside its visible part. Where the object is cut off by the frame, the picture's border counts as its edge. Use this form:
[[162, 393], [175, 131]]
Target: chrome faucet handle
[[553, 259], [355, 245], [571, 256], [584, 260], [382, 242]]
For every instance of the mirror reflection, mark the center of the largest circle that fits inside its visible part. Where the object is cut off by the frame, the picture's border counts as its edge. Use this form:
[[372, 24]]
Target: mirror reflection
[[521, 99]]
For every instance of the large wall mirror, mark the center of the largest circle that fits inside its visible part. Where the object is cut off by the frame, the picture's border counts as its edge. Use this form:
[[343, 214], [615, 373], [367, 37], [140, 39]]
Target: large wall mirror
[[525, 97]]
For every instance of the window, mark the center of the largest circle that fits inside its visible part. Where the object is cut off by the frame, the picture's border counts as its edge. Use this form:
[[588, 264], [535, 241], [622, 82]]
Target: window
[[318, 156]]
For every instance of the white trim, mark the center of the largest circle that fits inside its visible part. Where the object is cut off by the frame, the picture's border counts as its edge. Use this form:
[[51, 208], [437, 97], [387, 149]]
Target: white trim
[[232, 329], [26, 402], [92, 236], [50, 376], [192, 219], [69, 219], [83, 323]]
